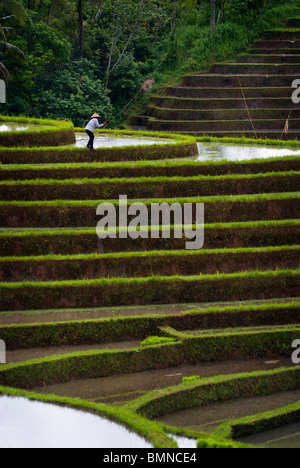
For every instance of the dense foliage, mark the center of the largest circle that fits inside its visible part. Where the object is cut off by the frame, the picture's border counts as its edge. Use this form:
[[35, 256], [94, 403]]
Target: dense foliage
[[123, 42]]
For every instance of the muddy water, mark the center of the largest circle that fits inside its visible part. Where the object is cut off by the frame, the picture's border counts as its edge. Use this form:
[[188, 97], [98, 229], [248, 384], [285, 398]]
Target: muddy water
[[81, 314], [38, 353], [111, 141], [123, 388], [240, 330], [283, 437], [44, 316], [31, 424], [210, 417], [217, 152]]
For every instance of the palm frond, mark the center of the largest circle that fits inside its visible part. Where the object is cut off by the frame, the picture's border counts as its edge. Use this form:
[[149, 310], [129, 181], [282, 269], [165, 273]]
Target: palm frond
[[13, 51], [4, 73], [5, 18]]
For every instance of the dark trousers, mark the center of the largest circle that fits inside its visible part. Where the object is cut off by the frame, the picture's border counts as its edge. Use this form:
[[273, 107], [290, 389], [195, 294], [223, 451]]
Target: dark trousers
[[91, 140]]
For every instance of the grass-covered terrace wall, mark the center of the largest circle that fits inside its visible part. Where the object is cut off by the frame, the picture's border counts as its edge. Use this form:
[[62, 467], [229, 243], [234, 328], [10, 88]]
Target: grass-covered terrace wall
[[208, 348], [165, 168], [156, 187], [146, 264], [84, 241], [112, 292], [25, 336], [226, 209], [47, 133], [216, 389]]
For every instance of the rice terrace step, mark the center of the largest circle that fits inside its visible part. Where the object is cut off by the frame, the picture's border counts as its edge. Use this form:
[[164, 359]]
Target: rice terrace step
[[134, 325]]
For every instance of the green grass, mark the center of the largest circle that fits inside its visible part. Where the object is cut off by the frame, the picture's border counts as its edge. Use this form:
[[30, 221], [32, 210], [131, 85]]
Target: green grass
[[111, 292], [149, 254], [137, 281], [178, 138], [156, 340], [185, 334], [155, 180], [46, 125], [150, 164], [260, 422], [114, 329], [213, 199], [102, 363], [29, 232], [215, 389]]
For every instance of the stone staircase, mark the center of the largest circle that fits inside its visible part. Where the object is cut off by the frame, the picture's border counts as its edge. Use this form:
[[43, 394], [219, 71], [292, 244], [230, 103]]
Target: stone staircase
[[215, 103]]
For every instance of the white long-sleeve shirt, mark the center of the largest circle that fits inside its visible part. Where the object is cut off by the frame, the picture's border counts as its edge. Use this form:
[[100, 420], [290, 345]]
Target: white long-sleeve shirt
[[93, 124]]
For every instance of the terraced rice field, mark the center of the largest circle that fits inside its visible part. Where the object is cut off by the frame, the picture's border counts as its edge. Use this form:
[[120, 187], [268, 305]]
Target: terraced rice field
[[213, 103], [75, 309], [158, 338]]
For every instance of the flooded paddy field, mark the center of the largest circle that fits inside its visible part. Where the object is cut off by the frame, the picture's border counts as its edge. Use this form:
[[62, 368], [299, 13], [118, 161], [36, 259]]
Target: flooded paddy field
[[284, 437], [33, 424], [120, 389], [110, 141], [66, 315], [210, 417], [21, 355], [226, 152], [89, 314]]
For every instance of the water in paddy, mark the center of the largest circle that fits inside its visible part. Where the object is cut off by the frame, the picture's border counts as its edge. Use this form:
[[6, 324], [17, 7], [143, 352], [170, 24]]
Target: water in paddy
[[210, 417], [31, 424], [42, 316], [17, 127], [21, 355], [283, 437], [118, 389], [216, 152], [184, 442], [112, 141]]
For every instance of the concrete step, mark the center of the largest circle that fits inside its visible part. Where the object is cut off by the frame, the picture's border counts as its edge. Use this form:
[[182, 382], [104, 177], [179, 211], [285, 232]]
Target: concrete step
[[222, 114], [217, 80], [235, 125], [201, 93], [277, 44], [275, 51], [283, 35], [269, 58], [168, 102], [193, 128], [256, 68]]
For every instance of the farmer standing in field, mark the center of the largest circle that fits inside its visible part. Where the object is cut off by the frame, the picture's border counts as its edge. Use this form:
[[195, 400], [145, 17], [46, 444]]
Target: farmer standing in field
[[91, 126]]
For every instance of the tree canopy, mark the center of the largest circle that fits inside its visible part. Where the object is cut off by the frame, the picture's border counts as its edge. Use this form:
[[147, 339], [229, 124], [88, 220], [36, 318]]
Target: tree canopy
[[66, 58]]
